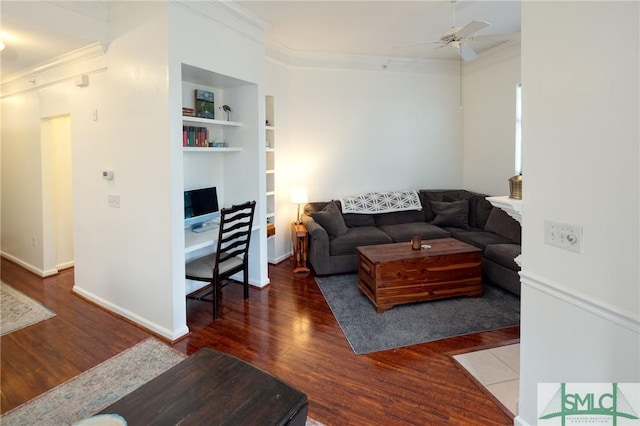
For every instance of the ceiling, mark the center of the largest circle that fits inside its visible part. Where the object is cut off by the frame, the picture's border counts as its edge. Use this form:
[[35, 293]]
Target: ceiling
[[37, 31]]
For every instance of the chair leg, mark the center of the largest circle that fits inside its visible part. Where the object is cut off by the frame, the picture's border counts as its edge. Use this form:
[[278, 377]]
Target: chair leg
[[246, 281], [216, 288]]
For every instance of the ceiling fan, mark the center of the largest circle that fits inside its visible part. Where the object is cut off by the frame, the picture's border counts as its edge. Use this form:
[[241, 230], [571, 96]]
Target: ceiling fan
[[459, 37]]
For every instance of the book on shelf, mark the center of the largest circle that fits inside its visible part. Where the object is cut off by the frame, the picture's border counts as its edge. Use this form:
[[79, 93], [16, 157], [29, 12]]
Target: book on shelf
[[205, 107], [188, 112], [193, 136]]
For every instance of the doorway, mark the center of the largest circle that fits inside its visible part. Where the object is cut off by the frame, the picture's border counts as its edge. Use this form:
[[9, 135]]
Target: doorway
[[57, 193]]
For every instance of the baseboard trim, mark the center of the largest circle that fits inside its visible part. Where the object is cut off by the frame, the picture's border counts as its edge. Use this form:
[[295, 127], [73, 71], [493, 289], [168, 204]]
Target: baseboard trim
[[65, 265], [596, 307], [519, 421], [281, 258], [33, 269], [138, 320]]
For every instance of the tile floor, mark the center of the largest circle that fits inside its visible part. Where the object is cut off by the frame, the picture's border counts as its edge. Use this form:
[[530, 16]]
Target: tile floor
[[498, 370]]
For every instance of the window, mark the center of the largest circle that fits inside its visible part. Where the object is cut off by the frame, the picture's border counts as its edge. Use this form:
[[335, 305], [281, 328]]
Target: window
[[518, 150]]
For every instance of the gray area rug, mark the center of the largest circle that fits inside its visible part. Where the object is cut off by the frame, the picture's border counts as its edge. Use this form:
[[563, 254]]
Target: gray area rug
[[97, 388], [17, 310], [404, 325]]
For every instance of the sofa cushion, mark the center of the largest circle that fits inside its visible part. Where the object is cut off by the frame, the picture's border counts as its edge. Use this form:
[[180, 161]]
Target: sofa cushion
[[504, 254], [394, 218], [481, 239], [454, 213], [315, 206], [479, 207], [404, 231], [355, 219], [501, 223], [330, 218], [479, 211], [354, 237]]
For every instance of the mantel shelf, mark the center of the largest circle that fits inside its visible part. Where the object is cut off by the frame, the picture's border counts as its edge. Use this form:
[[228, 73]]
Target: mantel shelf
[[511, 206], [200, 120]]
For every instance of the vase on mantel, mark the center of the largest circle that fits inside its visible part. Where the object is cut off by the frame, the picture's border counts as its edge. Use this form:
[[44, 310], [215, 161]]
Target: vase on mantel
[[515, 187]]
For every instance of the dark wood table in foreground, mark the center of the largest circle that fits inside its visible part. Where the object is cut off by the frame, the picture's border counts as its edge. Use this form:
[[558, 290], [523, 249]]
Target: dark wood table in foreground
[[213, 388], [392, 274]]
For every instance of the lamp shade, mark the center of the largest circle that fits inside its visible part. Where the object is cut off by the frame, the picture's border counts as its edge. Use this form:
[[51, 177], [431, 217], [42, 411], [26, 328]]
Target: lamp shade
[[299, 195]]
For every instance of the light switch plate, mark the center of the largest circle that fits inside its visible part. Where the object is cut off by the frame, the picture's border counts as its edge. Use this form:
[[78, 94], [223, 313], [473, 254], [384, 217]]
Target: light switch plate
[[565, 236], [113, 200]]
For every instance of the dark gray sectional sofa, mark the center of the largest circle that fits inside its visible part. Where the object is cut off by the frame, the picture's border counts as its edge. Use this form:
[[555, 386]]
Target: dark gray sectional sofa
[[464, 215]]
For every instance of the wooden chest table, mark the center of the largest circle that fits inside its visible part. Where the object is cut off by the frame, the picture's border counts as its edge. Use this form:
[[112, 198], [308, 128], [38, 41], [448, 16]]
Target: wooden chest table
[[392, 274], [213, 388]]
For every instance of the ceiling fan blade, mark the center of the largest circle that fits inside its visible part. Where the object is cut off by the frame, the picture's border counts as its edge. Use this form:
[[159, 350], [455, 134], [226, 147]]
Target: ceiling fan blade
[[466, 53], [471, 28], [496, 37], [418, 44]]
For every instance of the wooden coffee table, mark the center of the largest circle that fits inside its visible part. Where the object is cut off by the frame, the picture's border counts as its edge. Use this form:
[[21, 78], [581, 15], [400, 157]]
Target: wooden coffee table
[[393, 274]]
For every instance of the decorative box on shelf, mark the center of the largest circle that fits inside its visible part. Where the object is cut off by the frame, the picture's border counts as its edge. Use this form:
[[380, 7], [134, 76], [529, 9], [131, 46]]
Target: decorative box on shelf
[[271, 230]]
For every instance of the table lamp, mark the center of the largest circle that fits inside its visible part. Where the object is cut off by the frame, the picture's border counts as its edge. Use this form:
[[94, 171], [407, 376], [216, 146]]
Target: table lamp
[[299, 196]]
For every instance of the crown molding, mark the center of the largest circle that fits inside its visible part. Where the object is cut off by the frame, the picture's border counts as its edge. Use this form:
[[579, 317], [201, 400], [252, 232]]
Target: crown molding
[[84, 53], [229, 14], [338, 61], [87, 60]]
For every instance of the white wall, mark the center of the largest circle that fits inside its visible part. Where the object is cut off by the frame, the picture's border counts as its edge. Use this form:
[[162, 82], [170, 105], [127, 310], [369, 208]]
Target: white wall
[[350, 131], [123, 255], [358, 131], [128, 259], [489, 114], [22, 182], [580, 311]]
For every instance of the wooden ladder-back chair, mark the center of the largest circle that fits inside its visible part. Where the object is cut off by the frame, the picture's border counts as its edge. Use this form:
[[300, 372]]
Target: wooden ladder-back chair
[[231, 256]]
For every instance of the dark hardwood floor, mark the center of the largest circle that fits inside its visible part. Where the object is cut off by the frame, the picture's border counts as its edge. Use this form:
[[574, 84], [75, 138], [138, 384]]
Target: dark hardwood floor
[[286, 329]]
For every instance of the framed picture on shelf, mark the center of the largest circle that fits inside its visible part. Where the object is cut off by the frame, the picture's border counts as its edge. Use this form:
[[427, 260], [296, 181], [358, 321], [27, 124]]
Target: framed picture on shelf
[[205, 107]]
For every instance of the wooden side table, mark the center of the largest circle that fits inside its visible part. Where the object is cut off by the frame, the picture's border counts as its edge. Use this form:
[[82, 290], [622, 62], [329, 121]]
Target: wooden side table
[[299, 238]]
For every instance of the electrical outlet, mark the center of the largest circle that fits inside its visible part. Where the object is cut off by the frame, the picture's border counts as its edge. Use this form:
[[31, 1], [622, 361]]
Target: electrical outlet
[[34, 241], [568, 237], [113, 201]]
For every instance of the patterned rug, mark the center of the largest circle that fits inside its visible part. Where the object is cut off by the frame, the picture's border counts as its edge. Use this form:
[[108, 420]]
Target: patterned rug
[[97, 388], [19, 310]]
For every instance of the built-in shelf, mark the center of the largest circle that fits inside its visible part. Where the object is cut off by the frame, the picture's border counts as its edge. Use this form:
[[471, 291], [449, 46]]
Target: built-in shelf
[[199, 120], [270, 176], [210, 149], [511, 206]]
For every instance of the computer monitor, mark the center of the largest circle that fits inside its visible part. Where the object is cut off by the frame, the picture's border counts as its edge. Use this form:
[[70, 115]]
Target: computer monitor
[[200, 206]]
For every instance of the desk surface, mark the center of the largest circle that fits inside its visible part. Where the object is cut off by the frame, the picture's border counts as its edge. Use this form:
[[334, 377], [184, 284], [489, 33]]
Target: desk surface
[[197, 240], [213, 388]]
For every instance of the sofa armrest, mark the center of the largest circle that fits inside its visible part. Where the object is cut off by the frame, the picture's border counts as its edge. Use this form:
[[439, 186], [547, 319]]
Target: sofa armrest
[[318, 248], [317, 233]]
